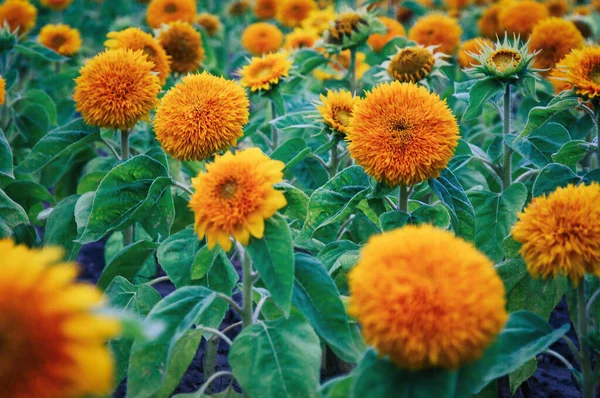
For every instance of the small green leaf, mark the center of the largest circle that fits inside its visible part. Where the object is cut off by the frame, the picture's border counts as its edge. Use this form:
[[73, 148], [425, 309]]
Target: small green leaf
[[291, 152], [61, 228], [127, 262], [6, 157], [481, 92], [11, 213], [176, 255], [540, 115], [572, 152], [204, 260], [35, 50]]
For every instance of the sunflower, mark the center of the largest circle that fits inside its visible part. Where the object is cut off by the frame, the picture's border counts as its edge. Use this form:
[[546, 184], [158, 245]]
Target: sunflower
[[582, 10], [210, 22], [437, 30], [201, 115], [291, 13], [426, 298], [554, 38], [262, 37], [336, 109], [581, 69], [401, 133], [503, 60], [300, 38], [238, 7], [264, 73], [394, 29], [2, 90], [164, 11], [56, 4], [235, 196], [519, 17], [136, 39], [557, 78], [557, 8], [61, 38], [116, 88], [265, 9], [488, 24], [342, 60], [18, 14], [472, 46], [53, 343], [348, 29], [319, 20], [456, 5], [183, 44], [411, 64], [560, 233], [404, 14]]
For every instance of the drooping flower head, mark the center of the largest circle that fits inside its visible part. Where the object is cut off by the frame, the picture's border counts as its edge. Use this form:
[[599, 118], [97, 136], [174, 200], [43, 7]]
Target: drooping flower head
[[201, 115], [18, 14], [519, 17], [136, 39], [210, 22], [401, 133], [264, 73], [581, 69], [235, 196], [116, 88], [53, 343], [503, 59], [183, 44], [394, 29], [265, 9], [426, 298], [300, 38], [291, 13], [414, 64], [164, 11], [553, 38], [319, 20], [437, 30], [61, 38], [489, 24], [472, 46], [560, 233], [336, 109], [262, 38], [56, 4]]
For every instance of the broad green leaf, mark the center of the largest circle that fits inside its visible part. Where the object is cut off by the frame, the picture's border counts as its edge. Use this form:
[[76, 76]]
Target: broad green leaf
[[291, 152], [297, 201], [540, 115], [90, 182], [160, 217], [61, 228], [521, 375], [424, 214], [176, 255], [340, 387], [6, 157], [33, 49], [572, 152], [42, 99], [481, 92], [553, 176], [307, 60], [204, 261], [32, 122], [297, 121], [11, 213], [278, 358], [127, 262], [83, 207], [339, 254], [393, 219], [539, 146], [310, 174]]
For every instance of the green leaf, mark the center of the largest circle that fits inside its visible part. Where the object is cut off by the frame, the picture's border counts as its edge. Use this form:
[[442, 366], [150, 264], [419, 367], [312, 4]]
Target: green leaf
[[6, 157], [32, 122], [393, 219], [176, 255], [297, 201], [273, 257], [11, 213], [521, 375], [339, 254], [540, 115], [204, 261], [278, 358], [303, 120], [61, 228], [481, 92], [306, 60], [572, 152], [539, 146], [553, 176], [495, 215], [127, 262], [35, 50], [39, 97], [424, 214], [291, 152], [160, 217], [90, 182], [340, 387]]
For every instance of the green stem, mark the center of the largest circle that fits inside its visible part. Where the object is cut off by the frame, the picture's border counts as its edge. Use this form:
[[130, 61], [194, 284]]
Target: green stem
[[210, 360], [352, 78], [597, 126], [507, 172], [274, 132], [246, 263], [586, 365], [403, 198], [335, 157], [127, 232]]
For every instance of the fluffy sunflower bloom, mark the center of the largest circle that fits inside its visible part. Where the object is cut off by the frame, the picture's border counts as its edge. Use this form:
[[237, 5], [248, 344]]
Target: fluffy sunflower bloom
[[136, 39], [437, 30], [291, 13], [238, 7], [264, 73], [2, 90], [553, 38], [56, 4], [235, 196], [61, 38], [393, 29], [560, 233], [557, 79], [265, 9], [426, 298], [412, 64], [18, 14], [557, 8], [581, 69], [503, 60], [164, 11], [401, 133], [336, 109], [489, 24], [469, 47], [116, 88], [300, 38], [261, 38], [53, 344], [319, 20], [519, 17], [183, 44], [201, 115], [210, 22]]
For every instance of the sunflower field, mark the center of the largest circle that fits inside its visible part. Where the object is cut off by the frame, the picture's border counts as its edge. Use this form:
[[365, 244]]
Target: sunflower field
[[299, 198]]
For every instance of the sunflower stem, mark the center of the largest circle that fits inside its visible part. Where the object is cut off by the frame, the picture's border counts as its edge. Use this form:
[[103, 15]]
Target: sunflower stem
[[352, 71], [183, 187], [335, 157], [247, 282], [586, 365], [210, 360], [597, 125], [274, 132], [507, 171], [127, 232], [403, 198]]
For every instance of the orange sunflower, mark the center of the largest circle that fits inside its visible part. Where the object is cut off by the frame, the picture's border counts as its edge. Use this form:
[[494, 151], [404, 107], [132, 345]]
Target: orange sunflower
[[472, 46], [61, 38], [261, 38], [265, 73], [489, 24], [519, 17], [183, 44], [336, 109], [581, 69], [56, 4], [211, 23], [437, 30], [18, 14], [300, 38], [557, 8], [411, 64], [2, 90], [554, 38], [164, 11], [319, 20], [394, 29], [291, 13], [265, 9]]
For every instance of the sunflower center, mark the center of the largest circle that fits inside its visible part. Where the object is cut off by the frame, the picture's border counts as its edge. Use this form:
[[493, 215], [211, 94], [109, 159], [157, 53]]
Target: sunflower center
[[411, 64], [264, 72], [501, 60], [58, 41], [342, 116], [402, 130], [171, 8], [228, 189], [149, 51], [595, 75]]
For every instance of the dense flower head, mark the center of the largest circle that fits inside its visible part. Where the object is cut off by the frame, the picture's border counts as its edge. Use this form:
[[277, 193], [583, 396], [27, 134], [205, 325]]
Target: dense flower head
[[581, 69], [394, 29], [557, 8], [300, 38], [488, 24], [401, 133], [136, 39], [553, 38], [560, 233], [437, 30], [336, 109], [261, 38], [53, 344], [264, 73], [426, 298], [265, 9], [411, 64], [505, 59], [520, 17], [210, 22], [472, 46], [201, 115], [346, 27], [2, 90], [235, 196], [61, 38], [238, 8], [18, 14], [291, 13], [56, 4], [116, 88], [183, 44], [164, 11], [319, 20]]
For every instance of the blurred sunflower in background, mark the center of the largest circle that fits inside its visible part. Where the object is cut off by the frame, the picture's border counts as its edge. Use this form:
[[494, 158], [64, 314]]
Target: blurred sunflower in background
[[265, 9], [336, 109], [183, 44], [61, 38], [437, 30], [557, 8], [553, 38], [581, 70], [319, 20], [489, 24], [19, 15], [519, 17], [238, 8], [393, 29], [414, 64], [210, 22], [469, 48], [292, 13], [266, 72], [262, 37], [351, 29], [56, 4], [300, 38], [2, 90], [164, 11]]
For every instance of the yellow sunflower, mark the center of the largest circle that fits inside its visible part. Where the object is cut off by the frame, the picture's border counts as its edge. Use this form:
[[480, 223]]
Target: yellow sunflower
[[116, 88], [560, 233], [235, 196], [201, 115], [164, 11], [426, 298], [519, 17], [56, 4], [401, 133], [472, 46], [336, 109], [411, 64], [53, 343], [300, 38], [581, 69], [2, 90], [265, 9], [582, 10], [264, 73], [437, 30], [183, 44], [557, 8], [557, 78], [489, 24], [18, 14], [61, 38], [238, 7], [319, 20], [210, 22], [554, 38], [261, 38], [348, 29], [291, 13], [455, 5], [394, 29], [136, 39]]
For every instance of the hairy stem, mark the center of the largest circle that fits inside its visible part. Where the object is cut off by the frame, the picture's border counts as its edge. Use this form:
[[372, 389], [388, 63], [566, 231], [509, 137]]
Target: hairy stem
[[507, 171], [352, 78], [403, 198], [210, 361], [247, 282], [586, 364], [127, 232]]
